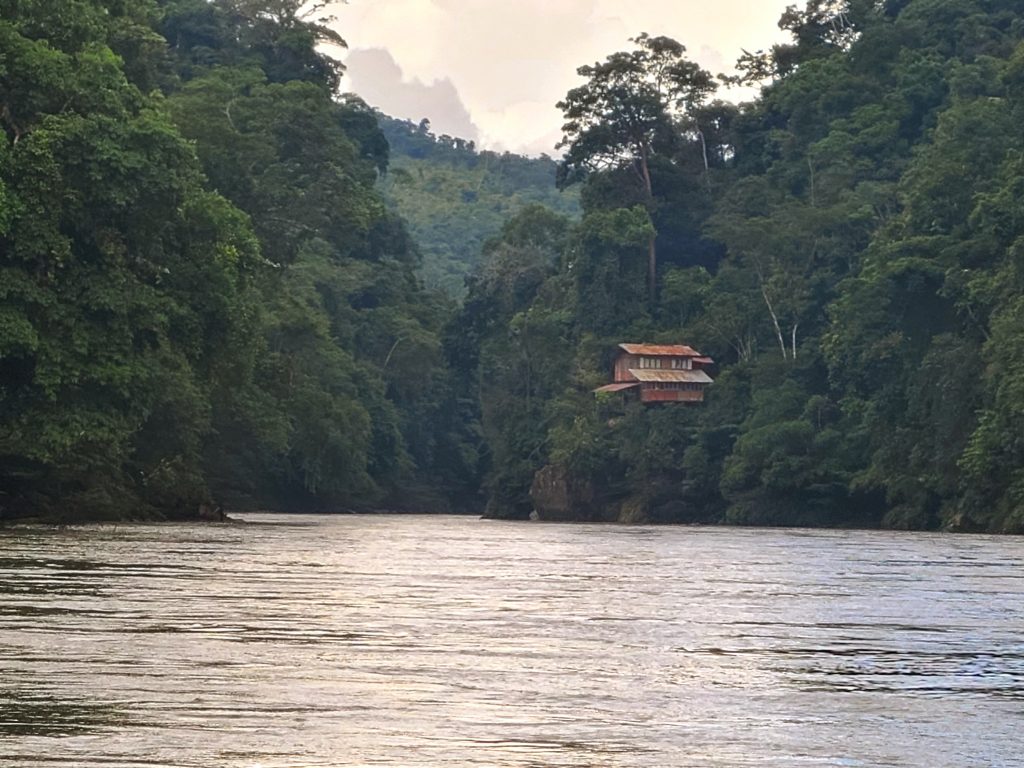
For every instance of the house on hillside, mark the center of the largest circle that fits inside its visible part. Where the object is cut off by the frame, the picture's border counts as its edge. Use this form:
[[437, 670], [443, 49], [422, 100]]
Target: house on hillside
[[659, 373]]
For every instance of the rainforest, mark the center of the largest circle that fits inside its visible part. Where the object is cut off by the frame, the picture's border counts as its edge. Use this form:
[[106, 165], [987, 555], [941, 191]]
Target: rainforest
[[226, 283]]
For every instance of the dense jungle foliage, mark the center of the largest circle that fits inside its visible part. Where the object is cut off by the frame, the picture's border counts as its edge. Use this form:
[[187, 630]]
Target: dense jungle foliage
[[208, 294], [455, 198], [849, 248], [203, 297]]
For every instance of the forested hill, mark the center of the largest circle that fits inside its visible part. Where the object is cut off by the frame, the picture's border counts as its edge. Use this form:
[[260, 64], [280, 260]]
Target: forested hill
[[455, 198], [209, 294], [203, 297], [849, 248]]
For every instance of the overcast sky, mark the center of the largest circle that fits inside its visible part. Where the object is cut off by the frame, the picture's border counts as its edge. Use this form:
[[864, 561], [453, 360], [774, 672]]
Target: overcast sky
[[492, 70]]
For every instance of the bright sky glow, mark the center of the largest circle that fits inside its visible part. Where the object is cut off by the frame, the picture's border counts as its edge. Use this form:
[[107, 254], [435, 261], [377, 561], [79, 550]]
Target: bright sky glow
[[492, 70]]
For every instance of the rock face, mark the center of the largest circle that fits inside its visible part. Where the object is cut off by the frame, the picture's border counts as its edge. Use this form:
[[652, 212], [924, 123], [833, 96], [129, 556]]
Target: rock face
[[212, 512], [557, 495]]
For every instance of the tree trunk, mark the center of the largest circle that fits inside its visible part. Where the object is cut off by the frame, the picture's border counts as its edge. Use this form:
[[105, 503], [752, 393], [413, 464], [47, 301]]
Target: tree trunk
[[5, 115], [810, 167], [744, 347], [652, 253], [645, 173], [652, 270], [775, 321], [704, 151], [391, 351]]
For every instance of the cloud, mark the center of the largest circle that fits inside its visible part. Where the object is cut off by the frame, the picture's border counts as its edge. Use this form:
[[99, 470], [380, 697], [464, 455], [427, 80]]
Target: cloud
[[377, 78], [518, 128], [510, 62]]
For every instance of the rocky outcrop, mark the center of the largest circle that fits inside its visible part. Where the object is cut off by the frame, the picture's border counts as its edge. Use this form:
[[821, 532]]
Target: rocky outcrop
[[633, 512], [212, 513], [559, 495]]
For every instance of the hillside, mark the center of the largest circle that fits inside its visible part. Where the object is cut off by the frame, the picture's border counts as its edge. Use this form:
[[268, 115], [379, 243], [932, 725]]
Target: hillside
[[212, 269], [455, 198], [848, 248], [204, 298]]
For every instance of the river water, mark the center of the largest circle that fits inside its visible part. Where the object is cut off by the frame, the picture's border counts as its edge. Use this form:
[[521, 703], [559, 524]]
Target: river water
[[444, 641]]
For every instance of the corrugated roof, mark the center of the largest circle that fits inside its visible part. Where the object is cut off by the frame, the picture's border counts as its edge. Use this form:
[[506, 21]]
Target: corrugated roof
[[703, 360], [653, 374], [618, 386], [660, 350]]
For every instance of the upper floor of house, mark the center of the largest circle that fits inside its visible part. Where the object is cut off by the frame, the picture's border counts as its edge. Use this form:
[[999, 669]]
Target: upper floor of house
[[656, 357]]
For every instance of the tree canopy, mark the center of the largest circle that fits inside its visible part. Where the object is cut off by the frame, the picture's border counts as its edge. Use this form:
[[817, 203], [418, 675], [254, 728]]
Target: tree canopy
[[845, 247], [204, 298], [211, 289]]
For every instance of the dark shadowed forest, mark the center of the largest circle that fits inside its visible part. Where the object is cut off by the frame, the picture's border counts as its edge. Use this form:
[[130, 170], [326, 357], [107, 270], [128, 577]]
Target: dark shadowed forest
[[226, 282]]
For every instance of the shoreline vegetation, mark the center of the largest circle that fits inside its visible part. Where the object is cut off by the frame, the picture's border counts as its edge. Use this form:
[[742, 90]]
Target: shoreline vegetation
[[225, 283]]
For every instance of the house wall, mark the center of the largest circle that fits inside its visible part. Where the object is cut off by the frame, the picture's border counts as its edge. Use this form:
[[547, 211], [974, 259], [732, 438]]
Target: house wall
[[622, 365], [671, 395]]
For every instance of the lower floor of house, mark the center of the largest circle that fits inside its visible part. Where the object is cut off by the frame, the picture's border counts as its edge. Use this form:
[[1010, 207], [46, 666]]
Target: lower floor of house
[[659, 391]]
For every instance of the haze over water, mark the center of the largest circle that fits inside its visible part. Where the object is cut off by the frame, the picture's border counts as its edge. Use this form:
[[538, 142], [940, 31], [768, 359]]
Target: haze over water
[[427, 641]]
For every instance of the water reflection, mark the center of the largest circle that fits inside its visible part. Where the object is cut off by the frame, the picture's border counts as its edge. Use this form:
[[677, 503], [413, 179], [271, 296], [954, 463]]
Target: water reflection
[[446, 641], [23, 713]]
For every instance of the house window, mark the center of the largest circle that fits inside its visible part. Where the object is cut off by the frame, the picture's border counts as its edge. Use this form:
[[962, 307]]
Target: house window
[[650, 362], [682, 363]]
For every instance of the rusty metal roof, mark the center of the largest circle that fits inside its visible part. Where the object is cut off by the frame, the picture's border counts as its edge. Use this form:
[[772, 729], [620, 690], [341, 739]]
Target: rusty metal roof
[[618, 386], [703, 360], [660, 350], [653, 374]]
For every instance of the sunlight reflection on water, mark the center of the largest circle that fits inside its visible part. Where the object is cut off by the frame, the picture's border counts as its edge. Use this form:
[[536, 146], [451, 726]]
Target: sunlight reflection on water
[[427, 641]]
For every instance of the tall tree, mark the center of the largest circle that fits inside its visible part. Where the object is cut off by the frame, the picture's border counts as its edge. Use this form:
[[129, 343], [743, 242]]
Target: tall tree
[[627, 112]]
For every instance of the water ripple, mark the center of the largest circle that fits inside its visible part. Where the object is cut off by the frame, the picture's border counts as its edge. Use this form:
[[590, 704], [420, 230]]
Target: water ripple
[[438, 641]]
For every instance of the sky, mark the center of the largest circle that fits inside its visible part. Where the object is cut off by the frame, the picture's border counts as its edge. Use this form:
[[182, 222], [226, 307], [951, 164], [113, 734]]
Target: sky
[[492, 70]]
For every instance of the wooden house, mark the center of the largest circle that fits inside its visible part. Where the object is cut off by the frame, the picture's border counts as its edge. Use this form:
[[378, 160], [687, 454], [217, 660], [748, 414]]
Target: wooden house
[[660, 373]]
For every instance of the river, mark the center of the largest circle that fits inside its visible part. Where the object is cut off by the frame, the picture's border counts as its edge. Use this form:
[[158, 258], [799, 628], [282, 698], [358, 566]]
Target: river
[[446, 641]]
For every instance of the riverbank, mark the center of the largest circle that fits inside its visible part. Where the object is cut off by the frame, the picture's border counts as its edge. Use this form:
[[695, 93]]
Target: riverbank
[[25, 516]]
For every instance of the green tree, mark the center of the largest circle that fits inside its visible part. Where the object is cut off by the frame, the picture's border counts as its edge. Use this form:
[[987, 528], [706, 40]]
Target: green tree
[[626, 113], [126, 291]]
